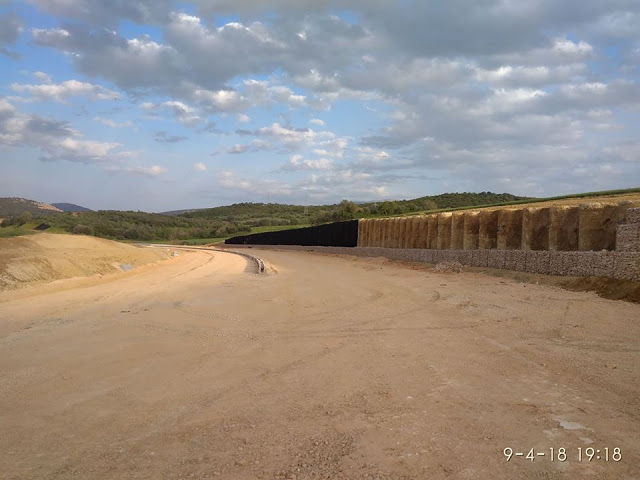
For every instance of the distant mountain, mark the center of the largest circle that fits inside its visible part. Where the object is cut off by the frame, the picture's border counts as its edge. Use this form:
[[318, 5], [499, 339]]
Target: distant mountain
[[70, 207], [12, 206]]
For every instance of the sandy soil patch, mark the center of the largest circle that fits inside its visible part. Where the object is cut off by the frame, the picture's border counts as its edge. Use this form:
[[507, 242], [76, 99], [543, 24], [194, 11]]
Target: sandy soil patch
[[45, 257], [333, 367]]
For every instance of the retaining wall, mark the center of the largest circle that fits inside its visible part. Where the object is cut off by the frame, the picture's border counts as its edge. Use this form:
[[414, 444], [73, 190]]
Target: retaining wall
[[587, 227], [618, 265], [577, 241]]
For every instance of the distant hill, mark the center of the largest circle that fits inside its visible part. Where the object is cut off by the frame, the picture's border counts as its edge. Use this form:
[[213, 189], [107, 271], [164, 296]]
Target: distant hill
[[13, 206], [70, 207], [272, 214], [173, 213]]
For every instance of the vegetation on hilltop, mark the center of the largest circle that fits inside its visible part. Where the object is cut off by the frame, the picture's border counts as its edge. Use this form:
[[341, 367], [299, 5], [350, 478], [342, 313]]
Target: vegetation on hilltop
[[221, 222], [213, 224], [133, 225], [273, 214]]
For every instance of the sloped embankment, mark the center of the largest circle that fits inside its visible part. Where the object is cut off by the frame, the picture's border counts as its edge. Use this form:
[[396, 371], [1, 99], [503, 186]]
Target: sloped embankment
[[46, 257]]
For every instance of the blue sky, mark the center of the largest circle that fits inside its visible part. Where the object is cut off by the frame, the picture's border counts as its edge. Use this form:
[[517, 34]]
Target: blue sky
[[160, 105]]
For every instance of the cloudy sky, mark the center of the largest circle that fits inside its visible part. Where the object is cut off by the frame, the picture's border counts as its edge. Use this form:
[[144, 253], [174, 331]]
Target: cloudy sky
[[159, 105]]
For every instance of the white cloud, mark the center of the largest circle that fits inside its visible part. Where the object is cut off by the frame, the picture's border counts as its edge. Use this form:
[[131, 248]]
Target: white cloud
[[183, 113], [62, 91], [259, 188], [525, 80], [237, 149], [298, 162], [42, 77], [200, 167], [153, 171], [112, 123], [59, 141]]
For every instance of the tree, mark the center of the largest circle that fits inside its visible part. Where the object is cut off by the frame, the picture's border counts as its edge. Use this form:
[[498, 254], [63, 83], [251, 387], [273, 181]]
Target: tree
[[347, 210], [24, 218], [80, 229]]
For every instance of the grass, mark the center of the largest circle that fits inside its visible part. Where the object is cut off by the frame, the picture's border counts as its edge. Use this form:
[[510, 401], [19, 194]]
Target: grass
[[14, 231], [26, 229]]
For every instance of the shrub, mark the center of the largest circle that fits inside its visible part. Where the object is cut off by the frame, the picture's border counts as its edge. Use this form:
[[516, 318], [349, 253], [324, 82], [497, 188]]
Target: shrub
[[80, 229]]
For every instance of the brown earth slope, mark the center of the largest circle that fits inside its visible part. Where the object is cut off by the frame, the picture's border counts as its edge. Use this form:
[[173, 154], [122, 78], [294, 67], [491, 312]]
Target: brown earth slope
[[329, 367], [45, 257]]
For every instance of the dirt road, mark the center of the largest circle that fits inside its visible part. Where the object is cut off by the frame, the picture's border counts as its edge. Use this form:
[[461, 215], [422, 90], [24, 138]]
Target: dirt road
[[328, 367]]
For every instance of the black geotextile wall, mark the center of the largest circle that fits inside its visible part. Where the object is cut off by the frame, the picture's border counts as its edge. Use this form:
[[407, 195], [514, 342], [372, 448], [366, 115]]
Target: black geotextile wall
[[339, 234]]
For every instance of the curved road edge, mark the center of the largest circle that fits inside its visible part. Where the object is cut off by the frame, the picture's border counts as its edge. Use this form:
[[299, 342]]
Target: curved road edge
[[257, 260]]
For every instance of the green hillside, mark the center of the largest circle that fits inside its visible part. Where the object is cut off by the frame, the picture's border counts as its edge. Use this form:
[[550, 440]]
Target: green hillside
[[273, 214]]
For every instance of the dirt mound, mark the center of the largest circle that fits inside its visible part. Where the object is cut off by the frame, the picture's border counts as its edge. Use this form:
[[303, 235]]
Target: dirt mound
[[46, 257]]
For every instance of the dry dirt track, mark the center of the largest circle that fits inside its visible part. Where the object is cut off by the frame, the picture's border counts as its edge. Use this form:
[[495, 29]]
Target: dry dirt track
[[333, 367]]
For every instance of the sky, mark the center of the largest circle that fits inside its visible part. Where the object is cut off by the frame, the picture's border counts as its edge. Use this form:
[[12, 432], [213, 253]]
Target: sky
[[160, 105]]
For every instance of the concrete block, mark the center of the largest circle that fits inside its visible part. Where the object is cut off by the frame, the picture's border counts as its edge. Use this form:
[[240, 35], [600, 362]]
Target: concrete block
[[471, 230], [535, 229], [422, 233], [597, 226], [444, 230], [563, 228], [432, 231], [457, 231], [488, 230], [509, 230]]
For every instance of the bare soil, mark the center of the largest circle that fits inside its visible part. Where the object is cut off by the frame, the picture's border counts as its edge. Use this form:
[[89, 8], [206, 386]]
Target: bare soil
[[328, 367], [44, 257]]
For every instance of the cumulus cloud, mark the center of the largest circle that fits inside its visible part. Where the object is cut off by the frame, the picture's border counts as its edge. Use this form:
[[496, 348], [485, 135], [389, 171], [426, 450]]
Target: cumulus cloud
[[466, 89], [42, 77], [298, 162], [59, 141], [238, 149], [200, 167]]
